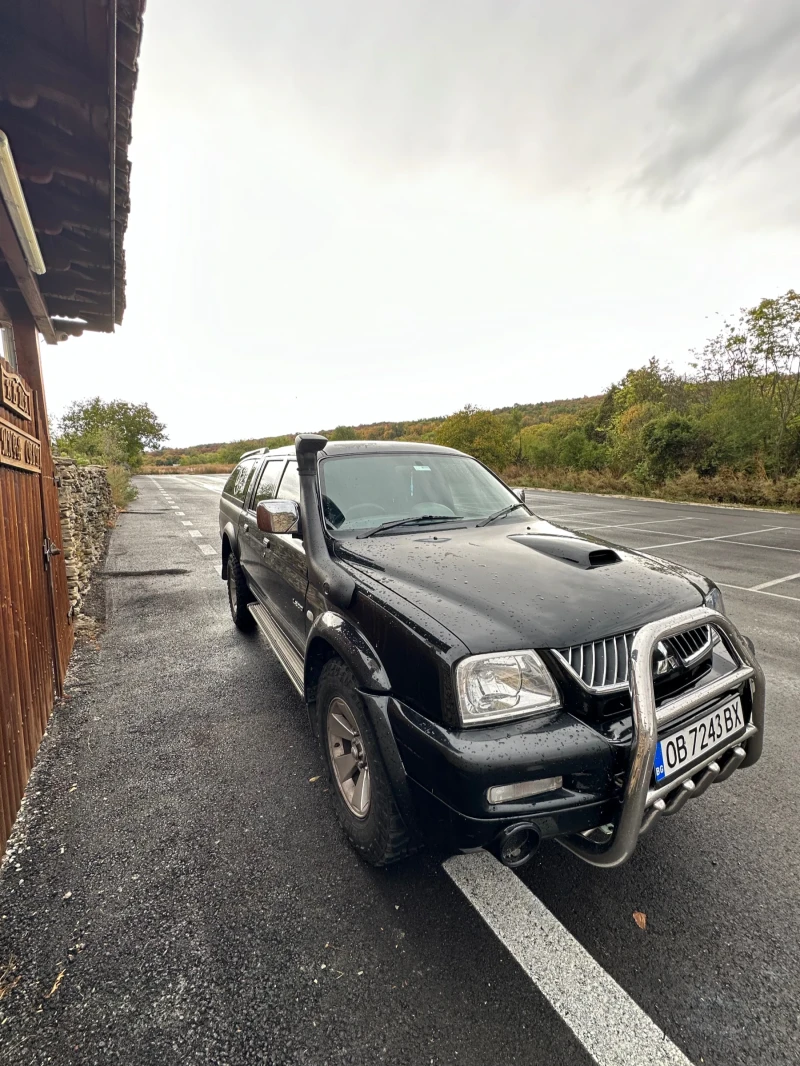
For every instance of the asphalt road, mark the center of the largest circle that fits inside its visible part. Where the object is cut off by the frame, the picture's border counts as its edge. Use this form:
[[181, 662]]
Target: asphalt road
[[179, 890]]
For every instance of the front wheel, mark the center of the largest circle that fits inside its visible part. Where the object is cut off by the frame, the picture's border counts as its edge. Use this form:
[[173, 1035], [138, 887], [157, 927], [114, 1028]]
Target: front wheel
[[363, 796]]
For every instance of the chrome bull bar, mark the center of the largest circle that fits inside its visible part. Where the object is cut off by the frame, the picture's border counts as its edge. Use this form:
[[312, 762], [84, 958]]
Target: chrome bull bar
[[641, 804]]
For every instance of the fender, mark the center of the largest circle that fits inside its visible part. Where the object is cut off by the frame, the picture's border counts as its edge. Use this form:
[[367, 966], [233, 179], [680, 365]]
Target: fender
[[229, 531], [373, 685], [353, 647]]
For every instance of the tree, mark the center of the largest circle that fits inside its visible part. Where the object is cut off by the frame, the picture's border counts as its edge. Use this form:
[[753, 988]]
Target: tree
[[672, 443], [487, 436], [342, 433], [760, 355], [115, 432]]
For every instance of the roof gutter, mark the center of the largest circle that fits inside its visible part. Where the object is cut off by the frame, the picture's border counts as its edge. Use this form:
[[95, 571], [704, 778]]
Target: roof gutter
[[18, 242]]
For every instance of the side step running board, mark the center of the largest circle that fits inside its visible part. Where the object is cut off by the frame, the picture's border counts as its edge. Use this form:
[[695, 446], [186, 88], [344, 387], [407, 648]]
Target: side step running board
[[280, 644]]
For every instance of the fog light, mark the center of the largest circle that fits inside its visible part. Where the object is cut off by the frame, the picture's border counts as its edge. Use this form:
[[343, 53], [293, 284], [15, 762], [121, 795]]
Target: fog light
[[523, 789]]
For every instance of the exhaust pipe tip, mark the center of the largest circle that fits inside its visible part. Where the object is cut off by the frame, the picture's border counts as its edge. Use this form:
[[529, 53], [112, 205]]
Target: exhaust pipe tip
[[517, 844]]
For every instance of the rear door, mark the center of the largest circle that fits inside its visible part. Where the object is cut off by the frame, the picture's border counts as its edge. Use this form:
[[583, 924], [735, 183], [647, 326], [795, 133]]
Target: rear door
[[285, 575], [233, 498], [251, 546]]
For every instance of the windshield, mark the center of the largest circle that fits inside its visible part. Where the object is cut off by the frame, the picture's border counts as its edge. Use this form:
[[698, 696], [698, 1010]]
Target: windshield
[[363, 491]]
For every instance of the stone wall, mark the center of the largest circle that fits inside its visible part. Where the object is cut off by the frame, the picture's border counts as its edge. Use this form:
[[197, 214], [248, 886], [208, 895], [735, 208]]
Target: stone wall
[[87, 511]]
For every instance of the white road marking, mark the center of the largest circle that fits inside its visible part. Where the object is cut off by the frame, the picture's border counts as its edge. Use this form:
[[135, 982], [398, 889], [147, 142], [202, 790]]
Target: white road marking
[[604, 1018], [594, 514], [771, 547], [195, 533], [776, 581], [699, 540], [758, 592], [207, 549], [195, 481], [179, 514], [175, 506], [186, 523], [654, 522], [666, 532]]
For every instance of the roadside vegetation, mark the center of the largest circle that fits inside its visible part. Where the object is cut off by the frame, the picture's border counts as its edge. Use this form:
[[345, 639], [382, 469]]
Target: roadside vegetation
[[113, 435], [728, 431]]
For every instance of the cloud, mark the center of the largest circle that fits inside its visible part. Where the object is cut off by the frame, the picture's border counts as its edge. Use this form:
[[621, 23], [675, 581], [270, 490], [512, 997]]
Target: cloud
[[734, 108], [658, 102]]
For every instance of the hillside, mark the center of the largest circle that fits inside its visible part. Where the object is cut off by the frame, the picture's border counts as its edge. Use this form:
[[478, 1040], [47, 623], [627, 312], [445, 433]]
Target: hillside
[[227, 453]]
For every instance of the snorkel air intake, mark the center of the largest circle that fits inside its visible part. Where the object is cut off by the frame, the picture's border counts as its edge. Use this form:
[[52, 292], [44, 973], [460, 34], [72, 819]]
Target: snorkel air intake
[[334, 583]]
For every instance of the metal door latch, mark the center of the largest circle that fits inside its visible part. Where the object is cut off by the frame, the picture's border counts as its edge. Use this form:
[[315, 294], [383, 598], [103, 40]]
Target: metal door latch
[[49, 549]]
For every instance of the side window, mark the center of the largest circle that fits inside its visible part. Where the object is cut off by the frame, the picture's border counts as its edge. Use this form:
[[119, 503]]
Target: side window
[[237, 483], [268, 483], [290, 484]]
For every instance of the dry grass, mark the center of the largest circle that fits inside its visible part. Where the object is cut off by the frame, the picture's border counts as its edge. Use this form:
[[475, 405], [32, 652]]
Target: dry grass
[[727, 486], [122, 491]]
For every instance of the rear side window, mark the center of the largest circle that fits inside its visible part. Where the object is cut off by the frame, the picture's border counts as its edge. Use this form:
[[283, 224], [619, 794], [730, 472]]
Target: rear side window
[[238, 482], [290, 484]]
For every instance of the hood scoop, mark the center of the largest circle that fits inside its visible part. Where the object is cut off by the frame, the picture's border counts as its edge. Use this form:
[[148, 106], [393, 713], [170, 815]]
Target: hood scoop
[[572, 550]]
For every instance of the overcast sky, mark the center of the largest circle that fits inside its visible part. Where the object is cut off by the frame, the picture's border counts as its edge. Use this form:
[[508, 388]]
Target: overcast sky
[[352, 210]]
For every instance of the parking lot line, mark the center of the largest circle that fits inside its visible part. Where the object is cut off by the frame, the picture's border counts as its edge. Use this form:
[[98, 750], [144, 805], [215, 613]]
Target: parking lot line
[[775, 581], [601, 1014], [771, 547], [698, 540], [758, 592], [652, 522], [594, 514]]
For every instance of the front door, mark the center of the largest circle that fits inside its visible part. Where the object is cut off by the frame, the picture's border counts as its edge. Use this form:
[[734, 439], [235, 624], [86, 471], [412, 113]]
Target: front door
[[284, 576], [251, 547]]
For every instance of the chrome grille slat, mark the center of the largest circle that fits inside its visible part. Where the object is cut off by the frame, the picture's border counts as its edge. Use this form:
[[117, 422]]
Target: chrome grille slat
[[604, 665]]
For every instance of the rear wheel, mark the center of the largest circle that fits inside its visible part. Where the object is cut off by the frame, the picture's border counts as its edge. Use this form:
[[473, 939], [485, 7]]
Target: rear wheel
[[239, 596], [360, 786]]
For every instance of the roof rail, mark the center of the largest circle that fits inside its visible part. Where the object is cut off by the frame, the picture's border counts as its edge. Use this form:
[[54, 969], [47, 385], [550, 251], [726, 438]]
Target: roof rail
[[255, 451]]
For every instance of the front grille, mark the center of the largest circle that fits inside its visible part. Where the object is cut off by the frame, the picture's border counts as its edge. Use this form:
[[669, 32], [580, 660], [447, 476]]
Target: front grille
[[602, 665], [691, 645]]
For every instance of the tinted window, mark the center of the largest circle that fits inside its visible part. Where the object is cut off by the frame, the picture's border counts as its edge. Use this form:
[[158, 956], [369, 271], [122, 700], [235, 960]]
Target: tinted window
[[290, 484], [238, 482], [268, 483]]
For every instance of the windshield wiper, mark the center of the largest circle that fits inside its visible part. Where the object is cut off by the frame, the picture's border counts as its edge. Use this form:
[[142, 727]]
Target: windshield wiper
[[409, 521], [501, 512]]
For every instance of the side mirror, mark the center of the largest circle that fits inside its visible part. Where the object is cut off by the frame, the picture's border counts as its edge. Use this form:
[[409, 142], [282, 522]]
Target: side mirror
[[277, 516], [521, 494]]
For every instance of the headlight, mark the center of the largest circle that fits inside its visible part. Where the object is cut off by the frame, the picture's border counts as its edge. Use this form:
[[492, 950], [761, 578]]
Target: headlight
[[505, 685], [714, 600]]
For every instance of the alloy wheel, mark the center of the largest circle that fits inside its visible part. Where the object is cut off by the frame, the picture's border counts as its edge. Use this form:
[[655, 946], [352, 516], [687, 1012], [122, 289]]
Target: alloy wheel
[[348, 757]]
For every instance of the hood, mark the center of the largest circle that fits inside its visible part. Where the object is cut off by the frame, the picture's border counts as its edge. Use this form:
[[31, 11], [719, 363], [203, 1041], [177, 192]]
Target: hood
[[524, 584]]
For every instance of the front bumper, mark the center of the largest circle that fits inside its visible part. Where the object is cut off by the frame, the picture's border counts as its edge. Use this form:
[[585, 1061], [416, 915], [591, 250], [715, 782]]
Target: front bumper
[[446, 773]]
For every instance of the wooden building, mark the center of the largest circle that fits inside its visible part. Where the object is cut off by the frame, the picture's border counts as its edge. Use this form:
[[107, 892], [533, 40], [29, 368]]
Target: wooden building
[[67, 80]]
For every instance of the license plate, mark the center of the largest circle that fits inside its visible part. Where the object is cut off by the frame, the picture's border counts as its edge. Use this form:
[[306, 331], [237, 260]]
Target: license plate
[[679, 750]]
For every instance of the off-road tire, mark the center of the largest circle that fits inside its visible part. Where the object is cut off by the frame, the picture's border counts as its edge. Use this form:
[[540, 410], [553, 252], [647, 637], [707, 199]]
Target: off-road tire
[[380, 838], [239, 595]]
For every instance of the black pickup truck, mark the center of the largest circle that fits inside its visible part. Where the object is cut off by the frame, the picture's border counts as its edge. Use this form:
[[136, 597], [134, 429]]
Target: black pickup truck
[[475, 675]]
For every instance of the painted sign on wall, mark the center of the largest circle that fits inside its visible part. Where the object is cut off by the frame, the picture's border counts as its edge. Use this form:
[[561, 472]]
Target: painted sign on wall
[[19, 449]]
